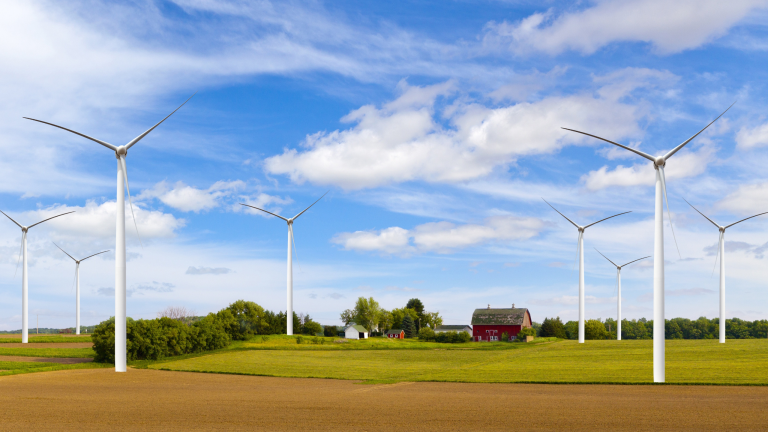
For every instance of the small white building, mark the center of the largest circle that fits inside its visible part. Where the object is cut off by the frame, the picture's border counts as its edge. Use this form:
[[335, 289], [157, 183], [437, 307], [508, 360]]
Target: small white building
[[355, 331], [454, 328]]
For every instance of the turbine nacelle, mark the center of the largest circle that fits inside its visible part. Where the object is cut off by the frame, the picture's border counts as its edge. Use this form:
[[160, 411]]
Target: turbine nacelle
[[121, 151], [659, 161]]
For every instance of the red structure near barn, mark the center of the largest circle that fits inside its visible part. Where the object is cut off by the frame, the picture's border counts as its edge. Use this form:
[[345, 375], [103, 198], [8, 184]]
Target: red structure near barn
[[489, 324]]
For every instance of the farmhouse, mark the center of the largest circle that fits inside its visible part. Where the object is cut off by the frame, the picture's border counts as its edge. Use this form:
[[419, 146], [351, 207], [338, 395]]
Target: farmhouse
[[490, 323], [355, 331], [396, 334], [454, 328]]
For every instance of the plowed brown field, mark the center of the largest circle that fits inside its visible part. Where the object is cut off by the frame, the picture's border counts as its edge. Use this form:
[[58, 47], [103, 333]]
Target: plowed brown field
[[157, 400]]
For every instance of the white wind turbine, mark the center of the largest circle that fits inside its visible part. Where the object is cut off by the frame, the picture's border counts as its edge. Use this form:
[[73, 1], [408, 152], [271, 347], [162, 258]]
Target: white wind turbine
[[77, 279], [618, 287], [122, 176], [580, 251], [291, 242], [721, 254], [659, 371], [24, 281]]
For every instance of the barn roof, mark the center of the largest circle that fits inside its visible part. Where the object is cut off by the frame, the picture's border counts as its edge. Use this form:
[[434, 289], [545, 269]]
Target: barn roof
[[394, 331], [357, 327], [451, 327], [499, 316]]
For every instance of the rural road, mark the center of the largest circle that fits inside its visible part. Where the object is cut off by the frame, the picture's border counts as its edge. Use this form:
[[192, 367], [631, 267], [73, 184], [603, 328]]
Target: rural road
[[100, 399]]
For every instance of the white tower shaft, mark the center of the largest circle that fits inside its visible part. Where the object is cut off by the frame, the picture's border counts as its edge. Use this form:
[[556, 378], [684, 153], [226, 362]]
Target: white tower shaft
[[618, 304], [659, 369], [581, 287], [77, 296], [722, 287], [120, 310], [24, 291], [289, 311]]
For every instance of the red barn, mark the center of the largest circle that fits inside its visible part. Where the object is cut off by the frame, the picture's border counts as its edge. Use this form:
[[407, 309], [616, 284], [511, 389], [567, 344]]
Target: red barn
[[489, 324], [396, 334]]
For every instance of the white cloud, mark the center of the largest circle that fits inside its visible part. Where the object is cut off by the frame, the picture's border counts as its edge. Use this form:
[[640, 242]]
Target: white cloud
[[207, 270], [668, 26], [440, 237], [405, 139], [747, 199], [187, 198], [748, 138]]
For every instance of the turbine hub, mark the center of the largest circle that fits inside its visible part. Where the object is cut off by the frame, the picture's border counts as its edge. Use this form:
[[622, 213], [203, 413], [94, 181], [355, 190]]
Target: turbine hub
[[24, 229], [722, 229], [660, 162], [121, 151], [581, 229]]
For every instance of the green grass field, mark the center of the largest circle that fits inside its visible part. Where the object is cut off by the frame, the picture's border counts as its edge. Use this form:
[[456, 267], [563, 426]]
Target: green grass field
[[47, 352], [738, 362], [13, 368]]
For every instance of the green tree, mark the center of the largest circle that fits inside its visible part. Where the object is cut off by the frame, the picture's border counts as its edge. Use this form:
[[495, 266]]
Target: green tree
[[426, 334], [431, 320], [572, 329], [399, 314], [553, 327], [416, 305], [347, 316], [525, 331], [408, 326], [367, 313], [595, 330]]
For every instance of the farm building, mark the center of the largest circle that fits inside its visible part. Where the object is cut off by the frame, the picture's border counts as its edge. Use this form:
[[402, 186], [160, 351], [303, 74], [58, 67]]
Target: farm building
[[454, 328], [490, 323], [355, 331], [396, 334]]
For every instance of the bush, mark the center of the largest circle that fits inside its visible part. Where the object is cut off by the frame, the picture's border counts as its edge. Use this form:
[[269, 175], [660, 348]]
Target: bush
[[330, 331], [453, 337], [505, 337], [595, 330], [426, 334], [526, 331]]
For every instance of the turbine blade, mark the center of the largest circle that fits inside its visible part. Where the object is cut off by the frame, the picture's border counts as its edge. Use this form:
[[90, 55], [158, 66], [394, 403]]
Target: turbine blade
[[277, 215], [138, 138], [635, 261], [664, 189], [561, 214], [606, 258], [636, 151], [674, 150], [125, 175], [17, 224], [722, 234], [593, 223], [310, 205], [759, 214], [53, 217], [21, 247], [73, 259], [705, 216], [91, 256], [293, 239], [104, 143]]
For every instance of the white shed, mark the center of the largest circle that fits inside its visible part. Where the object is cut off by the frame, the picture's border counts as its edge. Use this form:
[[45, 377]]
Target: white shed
[[355, 331]]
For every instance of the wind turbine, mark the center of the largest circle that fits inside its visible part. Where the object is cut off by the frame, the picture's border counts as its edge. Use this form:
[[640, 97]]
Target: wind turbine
[[291, 242], [618, 287], [122, 176], [721, 253], [24, 281], [77, 278], [580, 250], [659, 372]]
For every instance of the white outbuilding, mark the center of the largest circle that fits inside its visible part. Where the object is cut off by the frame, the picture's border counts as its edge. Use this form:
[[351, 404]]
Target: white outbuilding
[[454, 328], [355, 331]]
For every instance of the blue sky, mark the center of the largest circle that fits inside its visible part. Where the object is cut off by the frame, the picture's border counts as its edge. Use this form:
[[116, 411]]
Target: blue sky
[[435, 127]]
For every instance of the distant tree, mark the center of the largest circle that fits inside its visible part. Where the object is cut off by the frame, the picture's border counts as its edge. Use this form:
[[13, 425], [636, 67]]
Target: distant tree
[[347, 316], [553, 327], [595, 330], [330, 331], [367, 313], [179, 313], [572, 329], [431, 320], [408, 326], [526, 331], [416, 305], [308, 326], [399, 314], [426, 334], [385, 320]]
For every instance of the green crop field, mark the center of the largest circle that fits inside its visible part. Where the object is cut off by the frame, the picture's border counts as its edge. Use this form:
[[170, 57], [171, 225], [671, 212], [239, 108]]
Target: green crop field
[[13, 368], [738, 362], [47, 352]]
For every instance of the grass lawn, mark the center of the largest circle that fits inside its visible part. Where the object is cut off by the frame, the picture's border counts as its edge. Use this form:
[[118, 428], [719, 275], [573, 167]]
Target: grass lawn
[[13, 368], [739, 361], [47, 352], [49, 339]]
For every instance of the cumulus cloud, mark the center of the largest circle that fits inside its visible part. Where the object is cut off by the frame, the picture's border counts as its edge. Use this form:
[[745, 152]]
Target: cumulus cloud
[[748, 138], [408, 140], [187, 198], [207, 270], [669, 27], [746, 199], [440, 237]]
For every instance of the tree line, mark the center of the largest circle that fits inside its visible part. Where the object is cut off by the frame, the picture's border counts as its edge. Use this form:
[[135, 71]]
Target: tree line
[[411, 319], [675, 328]]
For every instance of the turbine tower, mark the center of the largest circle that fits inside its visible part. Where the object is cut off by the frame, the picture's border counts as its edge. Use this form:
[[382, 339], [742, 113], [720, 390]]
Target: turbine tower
[[659, 162], [618, 287], [291, 242], [24, 281], [77, 278], [721, 253], [122, 176], [580, 251]]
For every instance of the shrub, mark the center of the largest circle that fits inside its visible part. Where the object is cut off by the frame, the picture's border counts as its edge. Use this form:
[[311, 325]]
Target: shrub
[[595, 330], [330, 331], [505, 337], [526, 331], [426, 334]]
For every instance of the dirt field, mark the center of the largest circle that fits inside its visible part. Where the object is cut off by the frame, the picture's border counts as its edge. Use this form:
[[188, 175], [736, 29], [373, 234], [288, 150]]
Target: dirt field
[[156, 400]]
